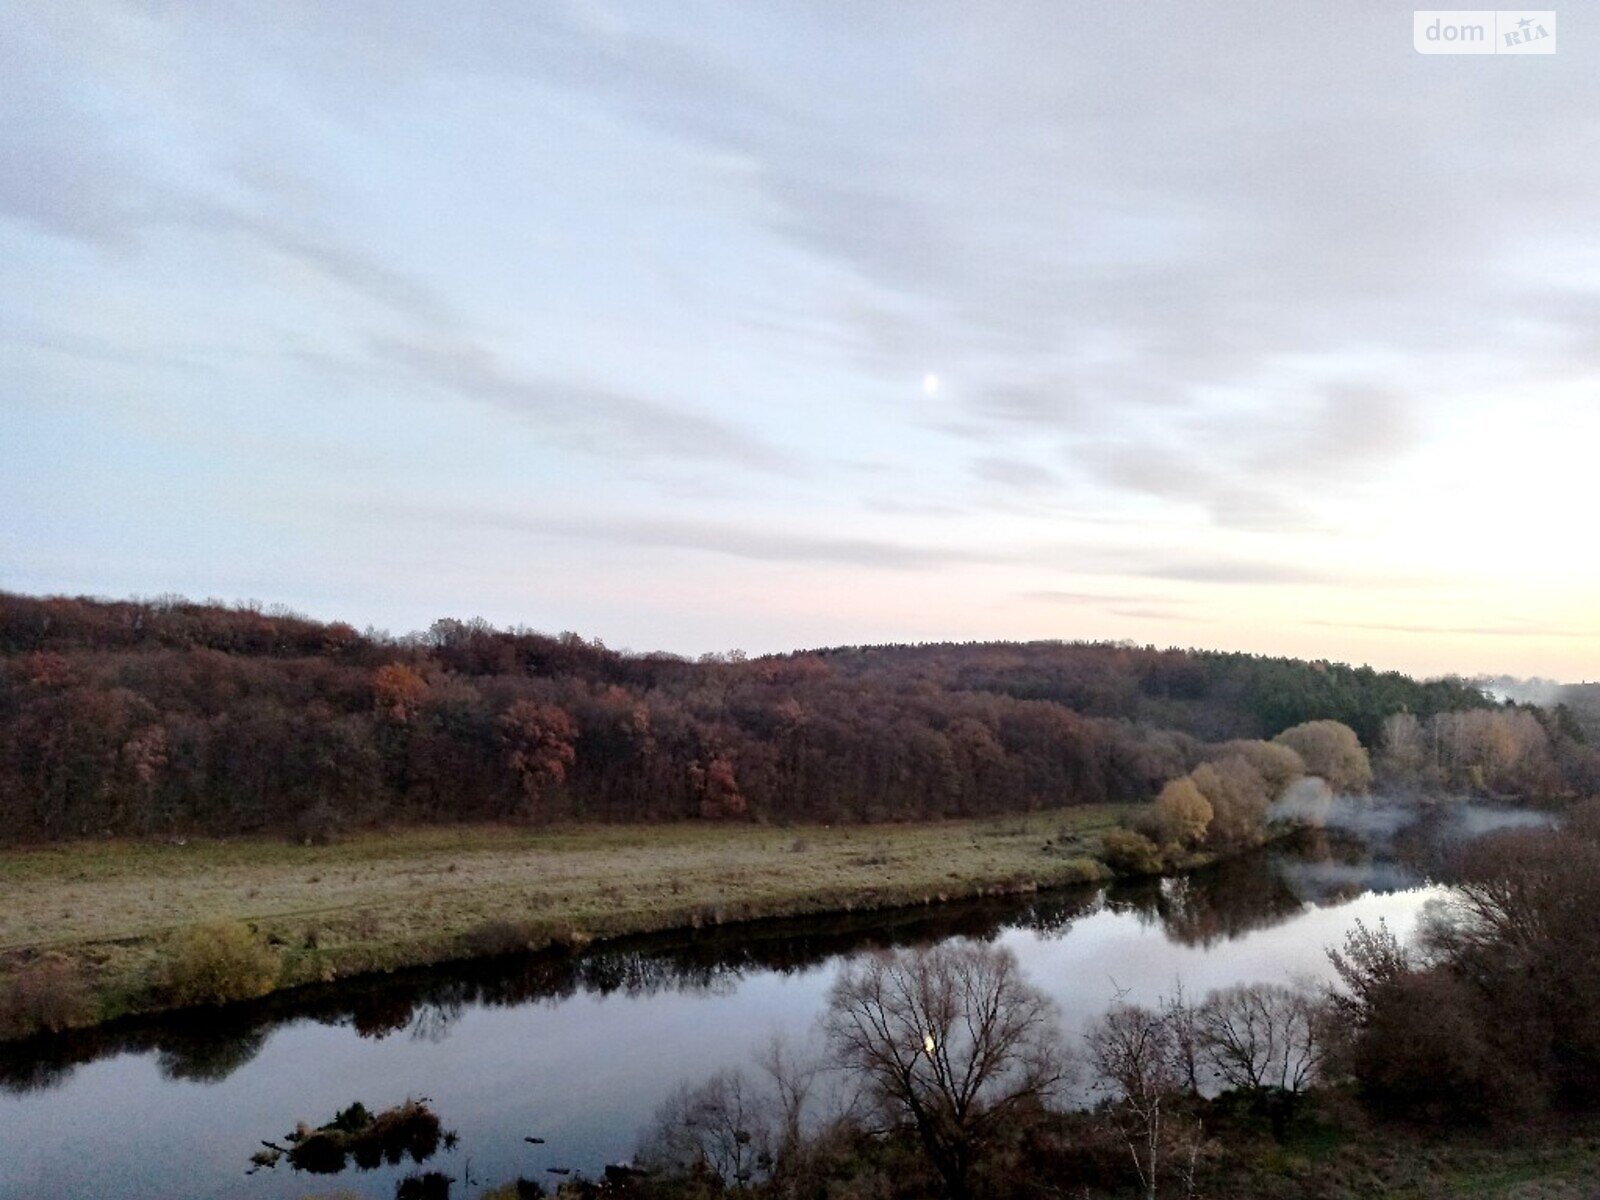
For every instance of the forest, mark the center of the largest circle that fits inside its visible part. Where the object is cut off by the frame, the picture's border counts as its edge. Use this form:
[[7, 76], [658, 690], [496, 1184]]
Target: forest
[[164, 717]]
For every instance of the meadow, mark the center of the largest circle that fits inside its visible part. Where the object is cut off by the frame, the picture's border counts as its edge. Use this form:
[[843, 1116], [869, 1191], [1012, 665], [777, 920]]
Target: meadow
[[108, 914]]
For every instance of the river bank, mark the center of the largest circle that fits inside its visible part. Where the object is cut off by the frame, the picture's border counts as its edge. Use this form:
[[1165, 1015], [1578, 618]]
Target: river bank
[[89, 931]]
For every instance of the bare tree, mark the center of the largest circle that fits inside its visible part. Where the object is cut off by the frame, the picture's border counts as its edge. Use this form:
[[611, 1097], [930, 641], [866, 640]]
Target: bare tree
[[1138, 1061], [1264, 1039], [1188, 1044], [1404, 754], [721, 1128], [950, 1039], [792, 1079]]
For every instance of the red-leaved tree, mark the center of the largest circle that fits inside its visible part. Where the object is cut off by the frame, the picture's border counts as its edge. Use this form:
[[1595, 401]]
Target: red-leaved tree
[[538, 740]]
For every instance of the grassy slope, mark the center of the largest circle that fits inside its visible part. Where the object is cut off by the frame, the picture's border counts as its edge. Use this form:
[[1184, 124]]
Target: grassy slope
[[1551, 1160], [379, 901]]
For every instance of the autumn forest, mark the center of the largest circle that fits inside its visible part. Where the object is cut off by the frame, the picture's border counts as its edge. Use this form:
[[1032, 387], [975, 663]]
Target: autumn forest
[[165, 717]]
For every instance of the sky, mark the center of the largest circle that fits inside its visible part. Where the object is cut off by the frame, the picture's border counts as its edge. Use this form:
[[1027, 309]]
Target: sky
[[707, 326]]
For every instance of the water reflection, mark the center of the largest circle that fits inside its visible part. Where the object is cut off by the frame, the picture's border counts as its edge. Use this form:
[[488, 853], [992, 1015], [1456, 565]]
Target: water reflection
[[209, 1054], [1213, 906], [1201, 910]]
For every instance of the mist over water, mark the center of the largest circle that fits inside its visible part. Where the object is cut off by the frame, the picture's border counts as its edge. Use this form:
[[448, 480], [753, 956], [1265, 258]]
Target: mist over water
[[1328, 879], [1379, 819], [1387, 841]]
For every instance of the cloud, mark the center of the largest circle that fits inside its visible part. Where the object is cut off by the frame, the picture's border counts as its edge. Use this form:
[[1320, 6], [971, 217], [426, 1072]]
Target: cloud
[[1194, 477], [1265, 467], [66, 183], [1529, 629], [74, 171], [1197, 284], [1134, 607], [1223, 570], [1181, 564], [80, 348], [774, 543], [597, 419], [362, 273], [1013, 473], [1105, 271], [1158, 614], [763, 544], [60, 168], [1056, 596], [1349, 427], [1038, 405]]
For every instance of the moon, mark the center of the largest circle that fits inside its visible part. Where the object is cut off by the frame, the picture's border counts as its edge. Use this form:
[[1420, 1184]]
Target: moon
[[930, 384]]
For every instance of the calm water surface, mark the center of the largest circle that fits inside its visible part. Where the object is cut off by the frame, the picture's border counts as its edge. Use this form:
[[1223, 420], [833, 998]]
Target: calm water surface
[[581, 1051]]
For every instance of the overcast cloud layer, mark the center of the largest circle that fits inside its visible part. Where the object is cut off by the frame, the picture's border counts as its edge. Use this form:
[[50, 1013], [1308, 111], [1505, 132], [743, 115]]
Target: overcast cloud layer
[[697, 326]]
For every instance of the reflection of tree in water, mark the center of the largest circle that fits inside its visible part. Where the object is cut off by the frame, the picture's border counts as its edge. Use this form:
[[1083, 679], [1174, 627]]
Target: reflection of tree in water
[[378, 1013], [208, 1050], [36, 1066], [1258, 891], [434, 1019], [1330, 869], [1212, 906], [641, 972]]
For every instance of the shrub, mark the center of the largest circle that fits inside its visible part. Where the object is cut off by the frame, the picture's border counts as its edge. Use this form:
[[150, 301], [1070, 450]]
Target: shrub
[[219, 962], [409, 1130], [1278, 765], [1182, 812], [1331, 750], [47, 994], [1238, 798], [406, 1129], [319, 825], [1426, 1052], [1151, 823], [500, 937], [1130, 853], [878, 856]]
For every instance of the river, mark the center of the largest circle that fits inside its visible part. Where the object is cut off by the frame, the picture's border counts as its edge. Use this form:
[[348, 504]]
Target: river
[[581, 1050]]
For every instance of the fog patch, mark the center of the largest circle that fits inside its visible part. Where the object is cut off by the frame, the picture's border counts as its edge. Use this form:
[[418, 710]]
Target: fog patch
[[1311, 803], [1378, 819], [1329, 880], [1475, 820]]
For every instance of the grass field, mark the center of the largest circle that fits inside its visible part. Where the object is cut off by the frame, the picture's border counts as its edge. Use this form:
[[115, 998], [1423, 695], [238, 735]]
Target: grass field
[[1551, 1159], [113, 910]]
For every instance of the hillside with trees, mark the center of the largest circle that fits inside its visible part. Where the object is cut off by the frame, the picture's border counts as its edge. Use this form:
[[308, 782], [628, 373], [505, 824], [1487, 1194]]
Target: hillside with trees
[[159, 717]]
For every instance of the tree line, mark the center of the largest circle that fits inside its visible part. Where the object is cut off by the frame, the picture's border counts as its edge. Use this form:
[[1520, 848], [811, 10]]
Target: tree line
[[163, 716]]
